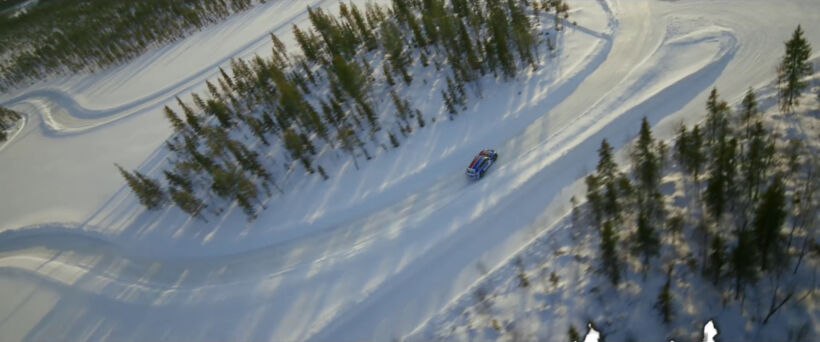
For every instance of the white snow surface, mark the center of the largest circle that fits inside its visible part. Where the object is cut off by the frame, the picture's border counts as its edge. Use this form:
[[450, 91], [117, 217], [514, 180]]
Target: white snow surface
[[370, 254]]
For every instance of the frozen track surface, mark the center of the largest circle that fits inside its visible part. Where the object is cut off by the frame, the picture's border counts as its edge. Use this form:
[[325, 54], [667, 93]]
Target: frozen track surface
[[385, 269]]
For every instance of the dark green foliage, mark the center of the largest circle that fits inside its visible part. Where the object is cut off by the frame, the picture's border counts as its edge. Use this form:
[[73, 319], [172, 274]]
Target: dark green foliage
[[716, 117], [178, 180], [7, 119], [757, 161], [148, 191], [176, 123], [573, 334], [748, 111], [646, 239], [220, 132], [187, 202], [664, 302], [55, 37], [792, 69], [769, 218], [717, 258], [743, 261], [609, 255], [393, 43]]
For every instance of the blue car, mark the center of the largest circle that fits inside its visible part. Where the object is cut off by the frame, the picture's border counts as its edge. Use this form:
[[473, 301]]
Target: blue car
[[481, 163]]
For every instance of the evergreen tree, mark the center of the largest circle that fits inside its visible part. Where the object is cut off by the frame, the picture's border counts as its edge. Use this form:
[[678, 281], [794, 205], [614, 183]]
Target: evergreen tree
[[187, 202], [393, 140], [190, 118], [348, 140], [756, 162], [664, 302], [768, 220], [573, 334], [748, 111], [743, 261], [792, 69], [696, 156], [716, 122], [646, 240], [717, 258], [178, 181], [607, 168], [609, 255], [176, 123], [647, 167], [148, 191]]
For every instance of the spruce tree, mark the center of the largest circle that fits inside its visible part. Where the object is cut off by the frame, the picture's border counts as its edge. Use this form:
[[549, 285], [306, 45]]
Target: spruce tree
[[148, 191], [187, 202], [743, 261], [792, 69], [573, 334], [647, 164], [717, 258], [190, 118], [748, 111], [768, 221], [664, 302], [176, 123], [609, 254], [647, 243]]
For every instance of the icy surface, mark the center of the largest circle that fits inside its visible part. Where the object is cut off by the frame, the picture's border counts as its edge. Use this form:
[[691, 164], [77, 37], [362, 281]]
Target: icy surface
[[372, 254]]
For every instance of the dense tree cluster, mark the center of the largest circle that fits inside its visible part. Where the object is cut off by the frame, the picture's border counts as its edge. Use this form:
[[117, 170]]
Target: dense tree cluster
[[326, 96], [7, 119], [56, 37], [755, 186]]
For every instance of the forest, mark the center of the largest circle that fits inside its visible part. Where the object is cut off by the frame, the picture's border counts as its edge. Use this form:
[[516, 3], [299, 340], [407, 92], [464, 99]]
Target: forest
[[56, 37], [324, 96]]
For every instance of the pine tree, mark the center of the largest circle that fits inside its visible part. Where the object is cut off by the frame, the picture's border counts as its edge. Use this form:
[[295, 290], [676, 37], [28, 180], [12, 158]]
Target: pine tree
[[716, 122], [748, 111], [696, 156], [178, 181], [664, 302], [647, 166], [743, 261], [573, 334], [190, 118], [755, 164], [646, 240], [608, 253], [792, 69], [148, 191], [768, 221], [393, 140], [607, 168], [176, 123], [420, 119], [187, 202], [717, 258]]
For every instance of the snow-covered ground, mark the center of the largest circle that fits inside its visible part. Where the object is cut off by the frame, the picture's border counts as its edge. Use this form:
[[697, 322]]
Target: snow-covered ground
[[370, 254]]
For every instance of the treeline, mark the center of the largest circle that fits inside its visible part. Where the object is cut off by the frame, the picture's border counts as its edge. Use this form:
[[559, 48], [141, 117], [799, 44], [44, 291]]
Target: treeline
[[60, 36], [7, 119], [752, 199], [327, 96]]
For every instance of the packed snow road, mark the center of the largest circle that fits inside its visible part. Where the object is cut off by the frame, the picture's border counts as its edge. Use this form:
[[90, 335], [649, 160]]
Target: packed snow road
[[376, 266]]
